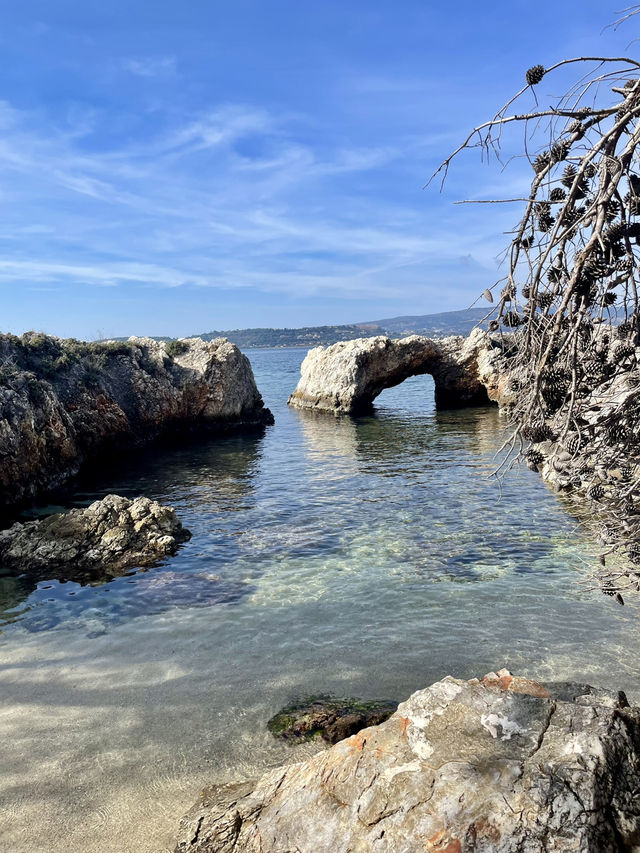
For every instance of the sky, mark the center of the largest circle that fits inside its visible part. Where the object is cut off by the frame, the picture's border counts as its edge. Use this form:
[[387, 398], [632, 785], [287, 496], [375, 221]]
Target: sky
[[170, 168]]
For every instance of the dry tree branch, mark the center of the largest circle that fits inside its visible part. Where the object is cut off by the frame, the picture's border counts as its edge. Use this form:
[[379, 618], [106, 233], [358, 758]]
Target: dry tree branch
[[570, 298]]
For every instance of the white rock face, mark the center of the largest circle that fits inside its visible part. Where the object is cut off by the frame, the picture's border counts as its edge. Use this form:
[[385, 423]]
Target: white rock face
[[110, 535], [501, 765], [62, 403], [349, 375]]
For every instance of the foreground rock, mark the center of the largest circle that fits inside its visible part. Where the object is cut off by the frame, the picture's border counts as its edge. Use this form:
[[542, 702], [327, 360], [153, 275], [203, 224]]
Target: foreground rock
[[502, 765], [328, 717], [349, 375], [63, 402], [107, 537]]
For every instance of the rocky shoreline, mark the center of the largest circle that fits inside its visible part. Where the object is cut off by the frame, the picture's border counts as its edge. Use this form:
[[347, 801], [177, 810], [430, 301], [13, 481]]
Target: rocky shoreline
[[64, 403], [497, 765]]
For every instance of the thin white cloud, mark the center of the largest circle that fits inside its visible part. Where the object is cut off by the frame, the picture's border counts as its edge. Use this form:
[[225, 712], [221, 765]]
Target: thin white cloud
[[234, 197], [149, 66]]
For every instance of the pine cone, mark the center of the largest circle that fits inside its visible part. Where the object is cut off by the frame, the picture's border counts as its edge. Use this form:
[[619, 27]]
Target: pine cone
[[534, 457], [508, 293], [545, 222], [592, 368], [578, 128], [534, 75], [541, 162], [559, 151], [596, 492], [536, 433], [614, 433], [573, 444], [613, 210], [610, 165], [512, 319], [623, 351], [568, 176], [614, 233], [596, 267]]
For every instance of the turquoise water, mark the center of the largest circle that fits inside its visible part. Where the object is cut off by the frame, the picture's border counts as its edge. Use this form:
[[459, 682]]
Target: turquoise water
[[366, 556]]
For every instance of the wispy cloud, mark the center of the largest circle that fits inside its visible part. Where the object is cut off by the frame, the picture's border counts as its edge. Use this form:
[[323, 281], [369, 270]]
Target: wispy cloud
[[233, 197], [150, 66]]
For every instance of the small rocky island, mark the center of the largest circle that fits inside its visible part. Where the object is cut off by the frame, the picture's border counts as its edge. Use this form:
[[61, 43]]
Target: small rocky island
[[497, 765], [64, 403]]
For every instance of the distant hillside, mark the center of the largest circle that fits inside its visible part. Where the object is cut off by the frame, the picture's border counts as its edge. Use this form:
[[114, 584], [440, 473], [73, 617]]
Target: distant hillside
[[308, 336], [431, 325], [447, 323]]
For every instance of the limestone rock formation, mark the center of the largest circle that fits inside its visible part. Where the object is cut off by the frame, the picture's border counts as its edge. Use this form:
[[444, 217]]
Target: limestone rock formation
[[110, 535], [331, 718], [348, 376], [501, 765], [64, 402]]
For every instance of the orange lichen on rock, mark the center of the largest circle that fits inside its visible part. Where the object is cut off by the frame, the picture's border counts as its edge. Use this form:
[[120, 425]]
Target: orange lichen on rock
[[443, 843], [503, 680]]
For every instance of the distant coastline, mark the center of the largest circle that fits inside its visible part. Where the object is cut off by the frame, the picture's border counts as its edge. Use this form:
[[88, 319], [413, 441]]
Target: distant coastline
[[431, 325]]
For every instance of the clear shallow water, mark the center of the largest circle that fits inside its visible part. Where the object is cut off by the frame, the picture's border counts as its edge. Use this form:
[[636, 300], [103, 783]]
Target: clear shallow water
[[368, 557]]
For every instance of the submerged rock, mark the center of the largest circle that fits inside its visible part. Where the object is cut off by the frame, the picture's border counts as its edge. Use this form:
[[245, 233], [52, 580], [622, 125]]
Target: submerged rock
[[63, 403], [331, 718], [110, 535], [156, 592], [501, 765], [348, 376]]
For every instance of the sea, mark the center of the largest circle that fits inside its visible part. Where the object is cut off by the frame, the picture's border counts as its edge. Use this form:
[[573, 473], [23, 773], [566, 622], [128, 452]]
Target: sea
[[365, 557]]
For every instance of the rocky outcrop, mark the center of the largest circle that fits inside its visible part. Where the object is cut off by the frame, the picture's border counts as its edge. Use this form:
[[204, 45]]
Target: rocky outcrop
[[501, 765], [107, 538], [349, 375], [328, 717], [64, 402]]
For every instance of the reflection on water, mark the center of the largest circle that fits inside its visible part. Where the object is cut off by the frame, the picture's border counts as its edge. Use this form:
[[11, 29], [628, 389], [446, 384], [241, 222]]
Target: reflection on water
[[321, 503], [206, 481], [364, 556]]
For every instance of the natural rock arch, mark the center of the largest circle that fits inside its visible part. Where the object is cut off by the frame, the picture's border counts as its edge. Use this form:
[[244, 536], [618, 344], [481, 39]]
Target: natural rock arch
[[348, 376]]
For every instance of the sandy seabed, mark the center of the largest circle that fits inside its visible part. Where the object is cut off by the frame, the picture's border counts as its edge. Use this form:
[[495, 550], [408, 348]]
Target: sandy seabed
[[105, 742]]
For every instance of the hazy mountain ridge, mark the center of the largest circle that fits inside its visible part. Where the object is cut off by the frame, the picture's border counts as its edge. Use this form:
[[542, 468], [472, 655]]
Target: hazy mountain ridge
[[431, 325]]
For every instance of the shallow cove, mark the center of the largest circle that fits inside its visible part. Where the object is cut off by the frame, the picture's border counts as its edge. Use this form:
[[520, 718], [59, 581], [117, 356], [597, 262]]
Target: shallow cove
[[366, 557]]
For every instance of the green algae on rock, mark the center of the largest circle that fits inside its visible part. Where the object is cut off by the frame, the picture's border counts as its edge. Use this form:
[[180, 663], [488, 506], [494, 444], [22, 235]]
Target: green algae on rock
[[328, 717]]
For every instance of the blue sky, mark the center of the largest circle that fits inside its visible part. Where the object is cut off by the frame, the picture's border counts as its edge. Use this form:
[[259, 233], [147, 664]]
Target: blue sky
[[171, 168]]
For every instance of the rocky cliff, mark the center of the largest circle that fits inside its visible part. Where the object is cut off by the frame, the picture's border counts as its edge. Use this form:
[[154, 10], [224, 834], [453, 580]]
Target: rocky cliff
[[348, 376], [501, 765], [64, 402]]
